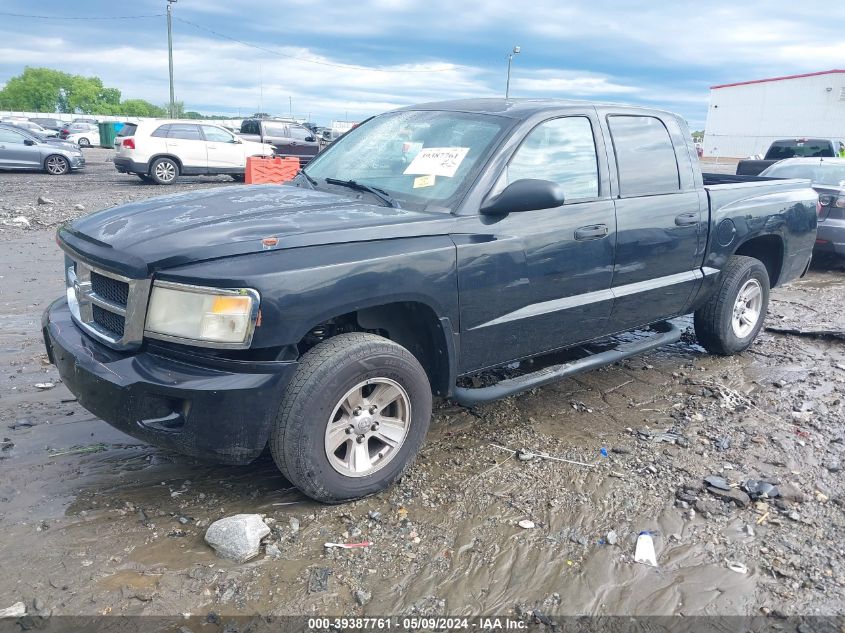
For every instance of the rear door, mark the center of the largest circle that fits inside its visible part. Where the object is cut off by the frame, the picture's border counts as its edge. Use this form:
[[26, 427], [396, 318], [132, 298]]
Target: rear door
[[224, 153], [660, 213], [185, 141], [14, 152]]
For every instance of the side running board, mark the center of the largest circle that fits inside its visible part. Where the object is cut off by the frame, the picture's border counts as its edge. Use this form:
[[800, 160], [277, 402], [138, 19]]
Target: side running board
[[665, 334]]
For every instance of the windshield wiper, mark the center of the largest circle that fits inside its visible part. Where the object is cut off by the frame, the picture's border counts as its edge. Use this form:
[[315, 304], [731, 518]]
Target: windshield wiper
[[381, 194], [310, 180]]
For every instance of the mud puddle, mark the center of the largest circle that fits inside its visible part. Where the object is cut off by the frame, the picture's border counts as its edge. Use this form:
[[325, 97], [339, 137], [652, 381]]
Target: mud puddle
[[95, 522]]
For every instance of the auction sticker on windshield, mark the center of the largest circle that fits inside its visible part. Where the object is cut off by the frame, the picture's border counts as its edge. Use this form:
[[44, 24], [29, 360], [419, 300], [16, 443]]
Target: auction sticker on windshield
[[437, 161], [423, 181]]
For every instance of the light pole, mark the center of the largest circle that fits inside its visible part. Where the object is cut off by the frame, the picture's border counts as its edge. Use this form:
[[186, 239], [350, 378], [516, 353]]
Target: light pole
[[513, 52], [170, 56]]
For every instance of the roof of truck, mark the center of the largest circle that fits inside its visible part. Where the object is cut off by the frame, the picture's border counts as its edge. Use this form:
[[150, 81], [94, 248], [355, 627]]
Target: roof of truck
[[520, 108]]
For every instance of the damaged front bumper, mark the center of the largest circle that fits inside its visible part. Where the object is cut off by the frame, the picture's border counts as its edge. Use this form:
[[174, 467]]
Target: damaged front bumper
[[203, 411]]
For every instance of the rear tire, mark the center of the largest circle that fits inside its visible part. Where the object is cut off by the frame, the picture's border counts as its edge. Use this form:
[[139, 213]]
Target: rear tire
[[352, 418], [164, 171], [84, 142], [733, 316]]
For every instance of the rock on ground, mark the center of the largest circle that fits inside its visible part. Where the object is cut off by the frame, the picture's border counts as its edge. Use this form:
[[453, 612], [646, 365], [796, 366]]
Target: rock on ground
[[237, 537], [17, 610]]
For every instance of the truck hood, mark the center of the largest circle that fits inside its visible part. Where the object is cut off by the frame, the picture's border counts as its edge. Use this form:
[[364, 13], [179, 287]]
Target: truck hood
[[173, 230]]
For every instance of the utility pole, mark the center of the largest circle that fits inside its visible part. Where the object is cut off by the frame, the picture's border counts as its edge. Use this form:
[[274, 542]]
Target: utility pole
[[515, 51], [170, 56], [290, 105]]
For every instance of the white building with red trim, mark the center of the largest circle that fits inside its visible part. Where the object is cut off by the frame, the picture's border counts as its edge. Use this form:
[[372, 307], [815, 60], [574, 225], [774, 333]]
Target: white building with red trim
[[744, 118]]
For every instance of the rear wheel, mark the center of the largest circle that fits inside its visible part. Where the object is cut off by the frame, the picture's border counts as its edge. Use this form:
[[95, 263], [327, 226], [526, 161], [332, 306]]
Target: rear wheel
[[84, 142], [163, 171], [733, 316], [56, 165], [352, 418]]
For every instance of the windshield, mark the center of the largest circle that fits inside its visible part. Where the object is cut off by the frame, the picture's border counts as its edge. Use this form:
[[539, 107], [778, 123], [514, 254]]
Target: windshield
[[821, 173], [806, 148], [421, 158]]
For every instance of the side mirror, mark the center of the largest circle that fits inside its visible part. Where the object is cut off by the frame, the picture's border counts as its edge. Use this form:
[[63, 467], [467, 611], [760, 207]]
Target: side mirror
[[235, 139], [310, 139], [28, 141], [528, 194]]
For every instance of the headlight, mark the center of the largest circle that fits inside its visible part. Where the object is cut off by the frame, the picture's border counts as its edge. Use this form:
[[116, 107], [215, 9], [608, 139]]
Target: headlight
[[210, 317]]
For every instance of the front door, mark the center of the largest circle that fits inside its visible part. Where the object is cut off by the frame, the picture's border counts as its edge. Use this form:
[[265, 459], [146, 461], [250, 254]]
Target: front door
[[224, 153], [14, 152], [299, 145], [186, 143], [659, 219], [535, 281]]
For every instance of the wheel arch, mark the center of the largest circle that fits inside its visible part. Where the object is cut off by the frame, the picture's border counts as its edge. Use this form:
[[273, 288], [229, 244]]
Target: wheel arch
[[412, 324], [769, 249], [155, 157]]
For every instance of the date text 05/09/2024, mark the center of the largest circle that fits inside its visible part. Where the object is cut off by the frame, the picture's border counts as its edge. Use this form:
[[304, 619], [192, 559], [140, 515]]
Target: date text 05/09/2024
[[417, 624]]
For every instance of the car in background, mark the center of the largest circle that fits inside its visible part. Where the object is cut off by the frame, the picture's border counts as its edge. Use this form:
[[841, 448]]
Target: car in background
[[827, 176], [288, 138], [790, 148], [75, 128], [35, 128], [160, 150], [48, 123], [85, 138], [21, 150], [39, 135]]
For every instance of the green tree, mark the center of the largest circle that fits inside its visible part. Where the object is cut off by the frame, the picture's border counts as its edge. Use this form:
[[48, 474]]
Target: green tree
[[139, 107], [38, 90]]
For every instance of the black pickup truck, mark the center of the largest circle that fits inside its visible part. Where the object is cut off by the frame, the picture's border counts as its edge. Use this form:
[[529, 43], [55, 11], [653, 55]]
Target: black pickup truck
[[424, 246], [791, 148]]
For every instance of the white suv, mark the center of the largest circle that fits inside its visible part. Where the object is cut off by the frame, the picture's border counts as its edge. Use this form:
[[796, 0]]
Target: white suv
[[159, 151]]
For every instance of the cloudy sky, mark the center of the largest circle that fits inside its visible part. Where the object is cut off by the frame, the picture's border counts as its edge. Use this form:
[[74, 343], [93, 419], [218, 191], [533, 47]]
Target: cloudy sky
[[336, 59]]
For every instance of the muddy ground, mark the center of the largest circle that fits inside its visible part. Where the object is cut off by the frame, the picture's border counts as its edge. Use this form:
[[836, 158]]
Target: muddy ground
[[95, 522]]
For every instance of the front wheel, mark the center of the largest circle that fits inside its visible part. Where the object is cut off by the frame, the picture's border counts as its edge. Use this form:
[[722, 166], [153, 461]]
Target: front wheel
[[56, 165], [733, 316], [352, 418]]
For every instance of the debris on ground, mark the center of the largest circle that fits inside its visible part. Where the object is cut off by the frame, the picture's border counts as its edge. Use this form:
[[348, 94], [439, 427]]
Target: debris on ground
[[17, 610], [237, 537], [736, 566], [347, 545], [644, 552], [318, 580], [526, 524]]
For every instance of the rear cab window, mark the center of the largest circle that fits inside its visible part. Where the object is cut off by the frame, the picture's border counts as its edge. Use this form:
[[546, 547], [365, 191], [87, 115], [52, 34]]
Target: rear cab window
[[645, 156]]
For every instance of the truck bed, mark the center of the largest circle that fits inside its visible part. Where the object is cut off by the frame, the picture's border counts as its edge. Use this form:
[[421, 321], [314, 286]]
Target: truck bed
[[725, 189]]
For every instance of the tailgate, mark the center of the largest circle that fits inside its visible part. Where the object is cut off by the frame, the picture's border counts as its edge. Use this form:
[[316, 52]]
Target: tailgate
[[751, 167]]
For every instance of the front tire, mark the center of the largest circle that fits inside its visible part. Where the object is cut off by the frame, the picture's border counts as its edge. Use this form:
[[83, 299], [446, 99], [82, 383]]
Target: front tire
[[164, 171], [733, 316], [352, 419], [56, 165]]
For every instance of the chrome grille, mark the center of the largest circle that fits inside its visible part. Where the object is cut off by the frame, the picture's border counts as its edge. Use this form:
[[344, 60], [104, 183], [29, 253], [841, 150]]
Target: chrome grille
[[111, 308], [109, 288]]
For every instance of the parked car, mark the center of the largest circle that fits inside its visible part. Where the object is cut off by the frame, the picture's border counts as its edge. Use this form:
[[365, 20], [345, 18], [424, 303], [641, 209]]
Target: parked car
[[21, 150], [48, 123], [33, 127], [828, 178], [76, 128], [790, 148], [84, 138], [288, 138], [425, 245], [159, 151]]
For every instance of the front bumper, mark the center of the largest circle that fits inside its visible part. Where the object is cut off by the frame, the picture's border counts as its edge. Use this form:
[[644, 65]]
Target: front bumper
[[831, 236], [77, 161], [206, 412]]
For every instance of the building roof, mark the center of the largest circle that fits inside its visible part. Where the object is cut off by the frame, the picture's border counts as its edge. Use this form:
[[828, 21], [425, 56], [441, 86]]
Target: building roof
[[760, 81]]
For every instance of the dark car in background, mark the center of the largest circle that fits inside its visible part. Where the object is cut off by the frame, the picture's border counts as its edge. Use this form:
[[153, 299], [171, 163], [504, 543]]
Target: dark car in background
[[49, 123], [828, 178], [21, 150], [790, 148], [288, 138]]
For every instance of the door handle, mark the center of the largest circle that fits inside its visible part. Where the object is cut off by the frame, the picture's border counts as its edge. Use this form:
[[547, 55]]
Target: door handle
[[211, 146], [594, 232], [686, 219]]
